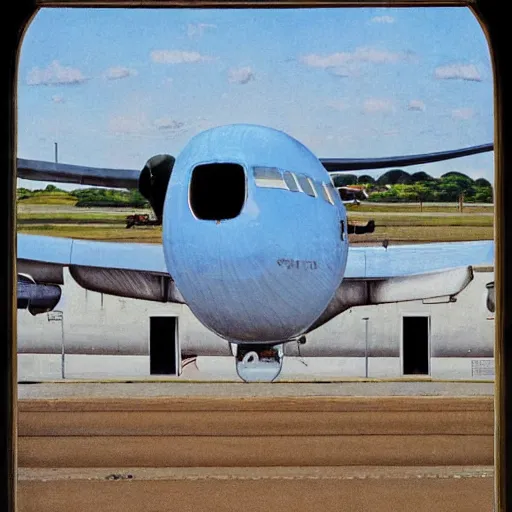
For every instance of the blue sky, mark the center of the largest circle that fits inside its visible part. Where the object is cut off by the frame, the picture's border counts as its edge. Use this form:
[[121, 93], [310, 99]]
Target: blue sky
[[115, 86]]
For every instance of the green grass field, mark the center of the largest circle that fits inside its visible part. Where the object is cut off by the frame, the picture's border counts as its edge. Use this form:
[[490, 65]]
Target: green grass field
[[415, 207], [150, 234], [53, 198], [398, 224], [408, 220], [79, 217]]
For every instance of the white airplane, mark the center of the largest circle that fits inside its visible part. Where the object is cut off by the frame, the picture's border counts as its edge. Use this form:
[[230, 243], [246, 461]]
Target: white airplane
[[352, 194], [254, 241]]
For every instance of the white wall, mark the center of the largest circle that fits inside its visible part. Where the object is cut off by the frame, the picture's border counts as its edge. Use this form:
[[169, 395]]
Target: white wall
[[98, 324]]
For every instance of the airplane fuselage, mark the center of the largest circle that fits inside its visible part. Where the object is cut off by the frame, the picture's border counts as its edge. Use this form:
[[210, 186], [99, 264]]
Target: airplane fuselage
[[254, 232], [255, 242]]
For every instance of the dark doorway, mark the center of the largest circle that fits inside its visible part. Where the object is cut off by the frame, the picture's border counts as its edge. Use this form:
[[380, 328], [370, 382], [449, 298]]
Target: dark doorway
[[415, 345], [164, 350], [217, 191]]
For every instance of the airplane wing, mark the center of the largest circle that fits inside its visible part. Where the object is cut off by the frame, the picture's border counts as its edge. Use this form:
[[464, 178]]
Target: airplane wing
[[123, 269], [129, 178], [138, 270], [434, 273], [403, 260], [373, 275], [65, 173], [358, 164]]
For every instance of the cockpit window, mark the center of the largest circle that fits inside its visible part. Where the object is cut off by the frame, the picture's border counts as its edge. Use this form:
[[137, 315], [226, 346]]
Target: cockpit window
[[217, 191], [269, 177], [333, 192], [291, 181], [306, 185], [318, 188], [326, 193]]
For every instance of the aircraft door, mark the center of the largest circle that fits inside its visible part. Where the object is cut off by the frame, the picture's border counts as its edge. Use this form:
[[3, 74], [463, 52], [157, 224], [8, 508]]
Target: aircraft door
[[164, 347], [416, 345]]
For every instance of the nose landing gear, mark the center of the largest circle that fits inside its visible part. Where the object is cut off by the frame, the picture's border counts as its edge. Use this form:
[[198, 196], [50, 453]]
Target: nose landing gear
[[259, 363]]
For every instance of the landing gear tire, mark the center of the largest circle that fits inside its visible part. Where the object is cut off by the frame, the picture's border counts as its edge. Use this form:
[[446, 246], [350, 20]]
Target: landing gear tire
[[259, 363]]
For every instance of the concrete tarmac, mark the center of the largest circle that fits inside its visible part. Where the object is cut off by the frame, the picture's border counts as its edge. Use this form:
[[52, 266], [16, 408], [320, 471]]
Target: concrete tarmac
[[169, 388], [335, 489], [386, 446]]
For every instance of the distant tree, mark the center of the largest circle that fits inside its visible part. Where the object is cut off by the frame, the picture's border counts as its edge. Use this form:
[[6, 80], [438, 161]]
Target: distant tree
[[457, 175], [421, 176], [482, 195], [404, 193], [422, 192], [23, 193], [342, 180], [394, 177], [455, 186], [482, 182], [365, 179], [50, 188], [136, 197], [109, 197], [390, 196]]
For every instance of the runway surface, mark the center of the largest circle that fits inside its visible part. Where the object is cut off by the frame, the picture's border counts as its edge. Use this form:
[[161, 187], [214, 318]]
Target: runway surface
[[386, 446], [259, 490], [145, 388]]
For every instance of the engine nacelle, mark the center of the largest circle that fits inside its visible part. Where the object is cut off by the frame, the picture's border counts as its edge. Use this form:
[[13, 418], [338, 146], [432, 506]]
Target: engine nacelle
[[37, 298], [153, 181], [491, 301]]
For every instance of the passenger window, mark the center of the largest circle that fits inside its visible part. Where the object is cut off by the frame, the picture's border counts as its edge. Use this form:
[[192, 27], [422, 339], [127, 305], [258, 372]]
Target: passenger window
[[269, 177], [332, 191], [326, 193], [306, 185], [291, 181]]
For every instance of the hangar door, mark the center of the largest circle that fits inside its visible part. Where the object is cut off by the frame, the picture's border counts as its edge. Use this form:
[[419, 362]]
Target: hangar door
[[416, 345], [164, 349]]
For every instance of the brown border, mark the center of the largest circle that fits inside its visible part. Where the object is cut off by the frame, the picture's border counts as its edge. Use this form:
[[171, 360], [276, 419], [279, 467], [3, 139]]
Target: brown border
[[495, 29], [14, 22], [494, 20], [253, 3]]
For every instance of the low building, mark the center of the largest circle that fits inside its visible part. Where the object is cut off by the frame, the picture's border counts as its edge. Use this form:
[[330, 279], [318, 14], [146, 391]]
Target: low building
[[132, 337]]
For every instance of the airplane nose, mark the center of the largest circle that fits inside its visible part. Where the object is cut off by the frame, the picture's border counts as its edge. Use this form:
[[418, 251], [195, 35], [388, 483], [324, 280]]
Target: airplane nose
[[249, 259]]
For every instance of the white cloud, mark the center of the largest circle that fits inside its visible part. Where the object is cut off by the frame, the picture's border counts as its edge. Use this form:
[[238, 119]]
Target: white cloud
[[458, 72], [463, 113], [373, 105], [350, 70], [241, 75], [416, 105], [131, 124], [55, 74], [338, 105], [57, 98], [138, 124], [119, 72], [198, 29], [168, 124], [360, 55], [383, 19], [178, 57]]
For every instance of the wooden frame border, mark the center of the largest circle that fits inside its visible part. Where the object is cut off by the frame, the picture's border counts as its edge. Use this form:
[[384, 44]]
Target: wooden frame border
[[494, 20]]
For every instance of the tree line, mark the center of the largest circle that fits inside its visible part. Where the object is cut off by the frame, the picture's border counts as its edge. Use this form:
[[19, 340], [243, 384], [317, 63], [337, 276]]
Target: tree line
[[89, 197], [397, 185]]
